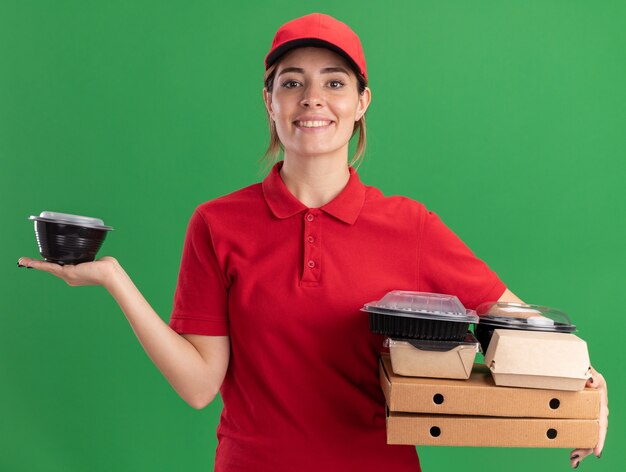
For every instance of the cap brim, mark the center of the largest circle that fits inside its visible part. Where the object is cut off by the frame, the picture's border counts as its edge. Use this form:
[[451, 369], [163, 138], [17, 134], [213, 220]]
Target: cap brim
[[311, 42]]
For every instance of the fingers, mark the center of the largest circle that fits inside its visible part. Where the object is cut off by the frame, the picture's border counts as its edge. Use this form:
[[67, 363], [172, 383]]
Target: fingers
[[598, 449], [597, 381], [22, 262], [39, 264], [604, 423], [578, 455], [596, 378]]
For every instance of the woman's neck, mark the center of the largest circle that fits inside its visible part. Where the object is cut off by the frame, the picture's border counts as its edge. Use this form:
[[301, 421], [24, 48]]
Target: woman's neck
[[315, 181]]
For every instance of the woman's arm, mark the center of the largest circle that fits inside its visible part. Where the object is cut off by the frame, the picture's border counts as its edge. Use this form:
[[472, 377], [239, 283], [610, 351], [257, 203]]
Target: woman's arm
[[194, 365], [509, 296]]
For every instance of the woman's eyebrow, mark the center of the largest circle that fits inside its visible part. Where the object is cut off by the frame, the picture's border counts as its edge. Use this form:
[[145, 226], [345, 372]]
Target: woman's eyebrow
[[325, 70]]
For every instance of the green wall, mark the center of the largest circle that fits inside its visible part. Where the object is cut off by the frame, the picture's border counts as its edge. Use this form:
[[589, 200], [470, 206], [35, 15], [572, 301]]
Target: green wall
[[507, 118]]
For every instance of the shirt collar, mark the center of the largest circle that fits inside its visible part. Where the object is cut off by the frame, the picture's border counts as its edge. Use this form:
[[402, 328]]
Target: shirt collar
[[346, 206]]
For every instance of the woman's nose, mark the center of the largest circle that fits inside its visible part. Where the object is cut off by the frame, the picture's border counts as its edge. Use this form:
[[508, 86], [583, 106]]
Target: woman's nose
[[312, 96]]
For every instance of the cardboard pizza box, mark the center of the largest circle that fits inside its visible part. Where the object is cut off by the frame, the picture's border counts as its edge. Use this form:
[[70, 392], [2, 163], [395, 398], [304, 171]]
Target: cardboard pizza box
[[481, 431], [480, 396]]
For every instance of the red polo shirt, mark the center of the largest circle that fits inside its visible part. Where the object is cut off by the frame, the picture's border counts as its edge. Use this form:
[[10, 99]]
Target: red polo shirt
[[286, 283]]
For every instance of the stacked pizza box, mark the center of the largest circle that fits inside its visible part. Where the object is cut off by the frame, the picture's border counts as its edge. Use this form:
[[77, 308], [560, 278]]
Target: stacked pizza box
[[530, 391]]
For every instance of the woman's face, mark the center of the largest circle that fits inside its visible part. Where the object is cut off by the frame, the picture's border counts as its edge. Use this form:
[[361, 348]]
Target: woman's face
[[315, 103]]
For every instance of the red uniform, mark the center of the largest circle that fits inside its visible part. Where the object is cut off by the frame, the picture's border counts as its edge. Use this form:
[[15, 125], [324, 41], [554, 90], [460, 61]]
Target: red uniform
[[286, 283]]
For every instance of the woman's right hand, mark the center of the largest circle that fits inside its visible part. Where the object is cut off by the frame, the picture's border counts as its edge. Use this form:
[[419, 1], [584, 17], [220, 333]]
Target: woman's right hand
[[86, 273]]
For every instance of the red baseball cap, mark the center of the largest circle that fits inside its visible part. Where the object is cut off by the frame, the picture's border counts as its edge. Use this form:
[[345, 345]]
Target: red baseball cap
[[318, 30]]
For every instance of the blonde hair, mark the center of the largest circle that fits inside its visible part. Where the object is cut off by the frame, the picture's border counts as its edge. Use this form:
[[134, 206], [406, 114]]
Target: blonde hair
[[275, 147]]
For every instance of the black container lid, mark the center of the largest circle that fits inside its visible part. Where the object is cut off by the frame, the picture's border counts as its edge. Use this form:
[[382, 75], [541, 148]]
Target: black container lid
[[524, 316], [66, 218], [422, 305], [433, 345]]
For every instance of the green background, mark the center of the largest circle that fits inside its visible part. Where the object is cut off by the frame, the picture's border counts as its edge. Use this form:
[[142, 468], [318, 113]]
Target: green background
[[507, 118]]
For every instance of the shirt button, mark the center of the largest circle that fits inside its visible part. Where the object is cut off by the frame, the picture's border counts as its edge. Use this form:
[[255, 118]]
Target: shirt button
[[310, 239], [309, 217], [311, 264]]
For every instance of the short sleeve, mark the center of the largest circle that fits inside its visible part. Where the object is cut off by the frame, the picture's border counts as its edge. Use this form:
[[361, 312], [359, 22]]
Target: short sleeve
[[201, 297], [448, 266]]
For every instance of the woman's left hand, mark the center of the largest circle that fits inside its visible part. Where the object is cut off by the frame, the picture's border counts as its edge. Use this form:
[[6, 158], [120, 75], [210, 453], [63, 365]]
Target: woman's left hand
[[595, 381]]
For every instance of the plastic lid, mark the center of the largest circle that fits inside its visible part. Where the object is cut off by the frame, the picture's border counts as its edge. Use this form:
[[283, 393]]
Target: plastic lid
[[522, 316], [423, 305], [57, 217]]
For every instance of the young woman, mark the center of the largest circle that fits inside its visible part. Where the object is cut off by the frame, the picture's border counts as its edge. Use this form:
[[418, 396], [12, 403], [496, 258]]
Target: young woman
[[273, 276]]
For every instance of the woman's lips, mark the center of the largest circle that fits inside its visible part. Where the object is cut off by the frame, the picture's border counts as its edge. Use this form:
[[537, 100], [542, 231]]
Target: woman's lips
[[313, 126]]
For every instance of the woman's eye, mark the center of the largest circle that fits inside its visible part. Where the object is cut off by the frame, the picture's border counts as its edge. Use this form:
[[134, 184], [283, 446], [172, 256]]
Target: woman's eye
[[336, 84], [289, 83]]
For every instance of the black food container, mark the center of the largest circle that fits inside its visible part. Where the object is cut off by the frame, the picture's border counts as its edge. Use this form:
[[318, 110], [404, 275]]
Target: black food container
[[68, 239], [518, 316], [420, 315]]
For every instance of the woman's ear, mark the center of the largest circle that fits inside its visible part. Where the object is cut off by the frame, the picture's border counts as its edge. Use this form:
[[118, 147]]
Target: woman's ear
[[267, 98], [364, 102]]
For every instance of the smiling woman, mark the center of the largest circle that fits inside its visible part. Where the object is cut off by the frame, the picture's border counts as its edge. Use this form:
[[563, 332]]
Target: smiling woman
[[315, 104], [335, 72]]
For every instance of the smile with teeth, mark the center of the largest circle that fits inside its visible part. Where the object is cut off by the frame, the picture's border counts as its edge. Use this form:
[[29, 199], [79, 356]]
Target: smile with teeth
[[313, 124]]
